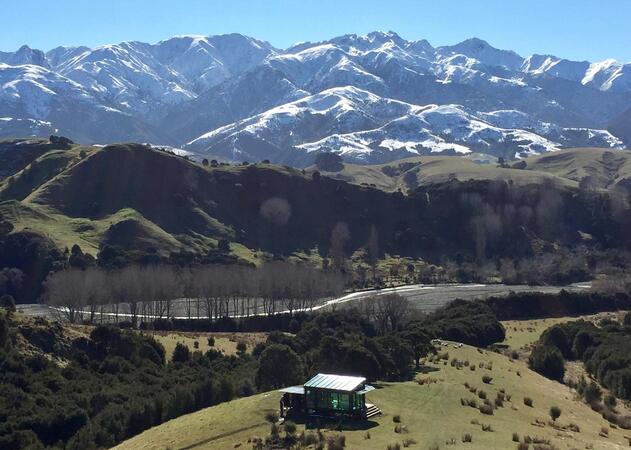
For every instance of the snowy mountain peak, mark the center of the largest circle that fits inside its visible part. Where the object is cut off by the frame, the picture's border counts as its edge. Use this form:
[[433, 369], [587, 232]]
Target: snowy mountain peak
[[485, 53], [375, 95]]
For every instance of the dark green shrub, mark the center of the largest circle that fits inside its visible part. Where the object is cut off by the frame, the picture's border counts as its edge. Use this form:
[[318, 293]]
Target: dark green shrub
[[548, 361], [555, 413], [181, 353]]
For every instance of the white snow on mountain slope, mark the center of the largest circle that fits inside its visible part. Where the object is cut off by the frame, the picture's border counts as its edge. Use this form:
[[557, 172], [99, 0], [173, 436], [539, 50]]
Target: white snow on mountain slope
[[35, 87], [11, 127], [481, 51], [230, 89], [436, 129], [25, 55], [341, 109], [556, 67], [608, 75], [366, 128]]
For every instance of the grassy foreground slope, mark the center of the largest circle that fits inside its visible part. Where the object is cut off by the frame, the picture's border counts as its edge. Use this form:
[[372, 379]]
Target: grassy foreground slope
[[431, 412]]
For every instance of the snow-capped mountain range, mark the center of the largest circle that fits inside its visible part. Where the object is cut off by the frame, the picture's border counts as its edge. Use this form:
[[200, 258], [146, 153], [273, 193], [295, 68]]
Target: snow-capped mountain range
[[371, 98]]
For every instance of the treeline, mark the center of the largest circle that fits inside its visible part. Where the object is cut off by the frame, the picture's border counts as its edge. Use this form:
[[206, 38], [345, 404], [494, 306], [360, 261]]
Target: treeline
[[603, 349], [378, 341], [533, 305], [144, 294], [111, 386]]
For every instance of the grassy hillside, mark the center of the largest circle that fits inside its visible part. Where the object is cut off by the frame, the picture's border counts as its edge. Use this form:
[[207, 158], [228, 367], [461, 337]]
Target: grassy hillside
[[147, 201], [432, 413], [606, 168], [411, 173]]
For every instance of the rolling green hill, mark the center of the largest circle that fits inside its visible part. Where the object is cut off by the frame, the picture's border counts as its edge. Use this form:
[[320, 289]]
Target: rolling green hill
[[431, 413], [135, 201], [411, 173]]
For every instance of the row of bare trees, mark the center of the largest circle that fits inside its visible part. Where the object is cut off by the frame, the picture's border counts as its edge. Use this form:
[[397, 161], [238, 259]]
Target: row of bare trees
[[147, 293]]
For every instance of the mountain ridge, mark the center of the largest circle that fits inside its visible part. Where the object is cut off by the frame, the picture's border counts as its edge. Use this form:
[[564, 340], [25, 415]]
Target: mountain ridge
[[180, 89]]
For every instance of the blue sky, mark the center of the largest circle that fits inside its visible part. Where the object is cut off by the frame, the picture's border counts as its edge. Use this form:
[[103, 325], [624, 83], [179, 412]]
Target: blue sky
[[577, 29]]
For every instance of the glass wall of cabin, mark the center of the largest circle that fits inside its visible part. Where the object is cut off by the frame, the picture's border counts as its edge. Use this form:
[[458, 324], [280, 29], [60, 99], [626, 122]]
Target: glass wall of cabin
[[337, 401]]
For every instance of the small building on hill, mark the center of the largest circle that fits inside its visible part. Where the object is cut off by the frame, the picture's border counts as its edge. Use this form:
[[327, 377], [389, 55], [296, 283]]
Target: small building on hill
[[329, 395]]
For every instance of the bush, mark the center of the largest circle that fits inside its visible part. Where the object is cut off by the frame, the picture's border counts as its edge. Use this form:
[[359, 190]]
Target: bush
[[482, 394], [487, 379], [396, 418], [610, 400], [555, 412], [181, 353], [515, 437], [467, 437], [548, 361], [290, 427], [592, 393], [211, 341], [336, 442], [528, 401], [486, 409], [271, 417], [7, 302], [395, 446]]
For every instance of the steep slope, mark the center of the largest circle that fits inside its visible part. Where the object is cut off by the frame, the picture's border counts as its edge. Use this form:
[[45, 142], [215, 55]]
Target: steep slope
[[179, 89], [366, 128], [453, 206]]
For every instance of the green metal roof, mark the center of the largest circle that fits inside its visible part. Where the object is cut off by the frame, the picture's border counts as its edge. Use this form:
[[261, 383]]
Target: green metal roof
[[335, 382]]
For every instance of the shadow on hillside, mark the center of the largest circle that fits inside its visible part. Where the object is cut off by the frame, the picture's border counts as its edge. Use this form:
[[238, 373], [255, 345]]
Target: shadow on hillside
[[316, 423], [427, 369]]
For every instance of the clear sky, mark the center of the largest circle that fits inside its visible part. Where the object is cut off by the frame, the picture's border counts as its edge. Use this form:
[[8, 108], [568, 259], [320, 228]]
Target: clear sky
[[576, 29]]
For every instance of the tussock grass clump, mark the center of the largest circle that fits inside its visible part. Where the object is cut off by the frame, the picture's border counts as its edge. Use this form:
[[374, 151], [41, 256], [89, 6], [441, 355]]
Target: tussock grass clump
[[515, 437], [528, 401], [499, 403], [604, 432], [399, 429], [395, 446], [472, 367], [486, 379], [487, 428], [482, 394], [523, 446], [573, 427], [396, 418], [486, 409], [408, 442], [336, 442], [426, 381], [467, 437]]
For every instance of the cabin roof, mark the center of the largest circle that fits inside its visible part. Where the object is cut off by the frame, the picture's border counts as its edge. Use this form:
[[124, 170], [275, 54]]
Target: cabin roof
[[335, 382], [300, 390]]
